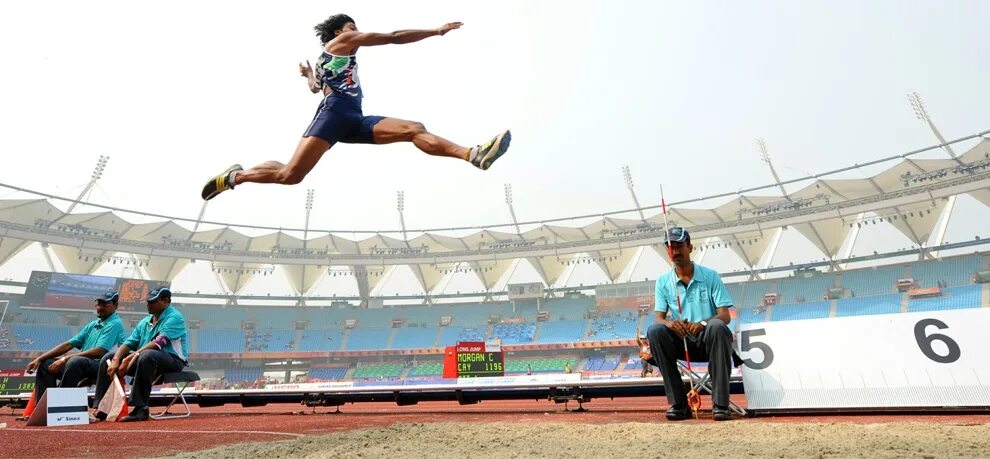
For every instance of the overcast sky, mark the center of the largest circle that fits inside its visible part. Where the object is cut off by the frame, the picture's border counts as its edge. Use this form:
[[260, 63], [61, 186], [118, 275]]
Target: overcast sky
[[174, 92]]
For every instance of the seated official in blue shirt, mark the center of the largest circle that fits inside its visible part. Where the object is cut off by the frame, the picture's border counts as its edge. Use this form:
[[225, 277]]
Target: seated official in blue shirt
[[60, 368], [702, 321], [156, 346]]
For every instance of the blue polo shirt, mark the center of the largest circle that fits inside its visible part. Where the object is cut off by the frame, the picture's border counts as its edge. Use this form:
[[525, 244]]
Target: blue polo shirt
[[699, 299], [103, 333], [170, 323]]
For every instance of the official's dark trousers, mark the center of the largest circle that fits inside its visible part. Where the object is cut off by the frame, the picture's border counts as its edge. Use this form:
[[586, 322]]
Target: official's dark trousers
[[149, 366], [72, 372], [713, 345]]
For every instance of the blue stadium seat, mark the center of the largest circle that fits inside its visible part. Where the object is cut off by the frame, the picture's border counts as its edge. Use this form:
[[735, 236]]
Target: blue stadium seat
[[964, 297], [415, 338], [243, 374], [952, 271], [326, 374], [562, 331], [801, 311], [869, 281], [514, 333], [869, 305], [364, 339], [39, 337], [220, 340]]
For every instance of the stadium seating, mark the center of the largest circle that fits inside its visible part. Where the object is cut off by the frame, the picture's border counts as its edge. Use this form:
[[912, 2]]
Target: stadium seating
[[748, 315], [243, 374], [220, 340], [514, 333], [374, 317], [33, 316], [752, 293], [429, 315], [468, 315], [6, 339], [569, 308], [378, 370], [868, 305], [951, 271], [271, 341], [220, 317], [611, 328], [562, 331], [451, 335], [792, 289], [427, 369], [415, 338], [274, 317], [39, 337], [320, 340], [593, 363], [801, 311], [873, 292], [326, 374], [362, 339], [869, 281], [964, 297], [551, 365], [601, 363]]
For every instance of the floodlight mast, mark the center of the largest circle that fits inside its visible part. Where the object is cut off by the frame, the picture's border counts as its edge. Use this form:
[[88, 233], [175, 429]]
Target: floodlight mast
[[101, 165], [920, 112], [512, 210], [627, 178], [765, 157]]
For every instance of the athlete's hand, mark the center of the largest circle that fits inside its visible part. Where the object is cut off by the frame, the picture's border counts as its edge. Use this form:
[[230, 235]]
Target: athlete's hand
[[305, 70], [33, 365], [695, 328], [449, 26]]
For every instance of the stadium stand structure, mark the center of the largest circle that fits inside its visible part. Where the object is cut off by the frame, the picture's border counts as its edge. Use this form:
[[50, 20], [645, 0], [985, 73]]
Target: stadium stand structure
[[406, 329]]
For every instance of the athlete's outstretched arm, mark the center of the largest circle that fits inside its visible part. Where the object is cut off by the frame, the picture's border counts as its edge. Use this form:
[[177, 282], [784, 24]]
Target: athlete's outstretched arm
[[348, 41], [311, 82]]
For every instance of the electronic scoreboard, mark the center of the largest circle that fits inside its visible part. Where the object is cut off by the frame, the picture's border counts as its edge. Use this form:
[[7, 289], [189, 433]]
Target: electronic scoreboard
[[472, 360], [13, 382]]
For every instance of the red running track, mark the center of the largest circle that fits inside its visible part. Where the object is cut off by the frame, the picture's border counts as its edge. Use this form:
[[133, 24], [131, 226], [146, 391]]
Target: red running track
[[210, 427]]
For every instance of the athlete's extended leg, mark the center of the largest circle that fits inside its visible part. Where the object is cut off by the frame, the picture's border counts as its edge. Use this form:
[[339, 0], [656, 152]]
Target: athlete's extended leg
[[390, 130], [308, 153]]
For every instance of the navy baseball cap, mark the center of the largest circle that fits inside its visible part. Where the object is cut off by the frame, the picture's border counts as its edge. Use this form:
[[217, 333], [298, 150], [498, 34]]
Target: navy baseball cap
[[677, 234], [109, 297], [160, 292]]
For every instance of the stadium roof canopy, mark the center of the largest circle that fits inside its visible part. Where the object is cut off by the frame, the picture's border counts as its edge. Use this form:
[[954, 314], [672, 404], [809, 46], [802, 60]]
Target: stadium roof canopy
[[910, 195]]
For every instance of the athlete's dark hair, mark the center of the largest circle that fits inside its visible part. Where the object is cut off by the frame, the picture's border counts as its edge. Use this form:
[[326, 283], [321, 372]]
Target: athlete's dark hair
[[328, 29]]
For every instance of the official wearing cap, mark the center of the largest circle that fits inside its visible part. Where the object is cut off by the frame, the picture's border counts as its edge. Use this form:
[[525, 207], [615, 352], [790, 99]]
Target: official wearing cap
[[61, 368], [701, 321], [156, 346]]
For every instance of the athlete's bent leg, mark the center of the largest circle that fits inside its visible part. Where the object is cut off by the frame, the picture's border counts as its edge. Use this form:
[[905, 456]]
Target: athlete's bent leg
[[391, 130], [308, 153]]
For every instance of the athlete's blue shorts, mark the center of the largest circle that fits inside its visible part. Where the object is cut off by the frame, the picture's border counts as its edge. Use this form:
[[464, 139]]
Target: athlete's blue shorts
[[339, 119]]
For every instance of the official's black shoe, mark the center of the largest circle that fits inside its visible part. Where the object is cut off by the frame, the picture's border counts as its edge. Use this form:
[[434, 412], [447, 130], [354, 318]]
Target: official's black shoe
[[678, 413], [98, 416], [220, 183], [721, 414], [139, 413]]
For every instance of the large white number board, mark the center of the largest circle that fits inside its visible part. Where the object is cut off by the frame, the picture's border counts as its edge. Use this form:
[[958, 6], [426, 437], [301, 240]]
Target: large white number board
[[937, 359]]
